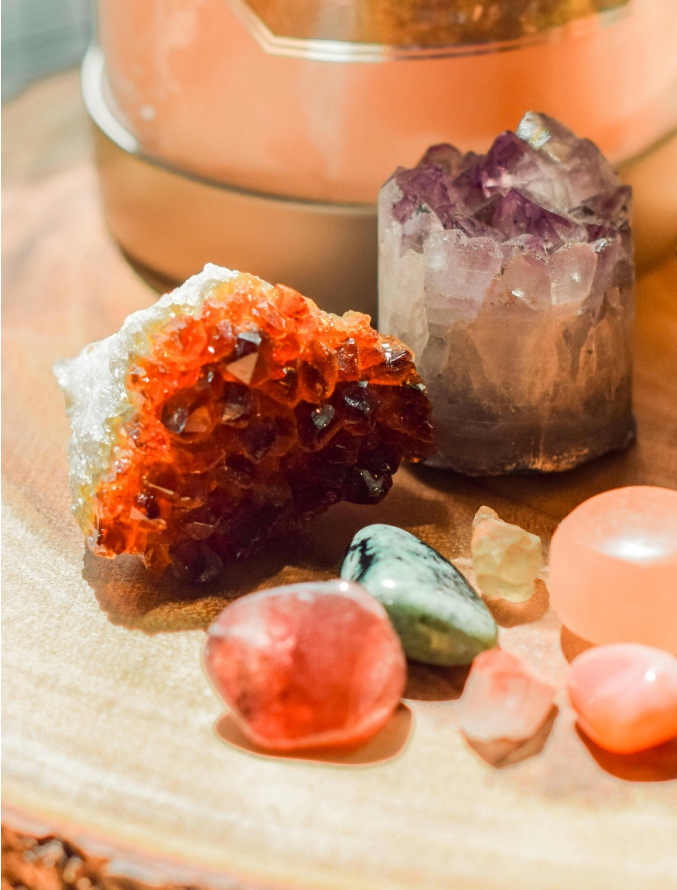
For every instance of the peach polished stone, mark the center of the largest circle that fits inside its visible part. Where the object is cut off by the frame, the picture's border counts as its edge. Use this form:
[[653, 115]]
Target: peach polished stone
[[613, 567], [307, 665], [625, 696], [503, 699]]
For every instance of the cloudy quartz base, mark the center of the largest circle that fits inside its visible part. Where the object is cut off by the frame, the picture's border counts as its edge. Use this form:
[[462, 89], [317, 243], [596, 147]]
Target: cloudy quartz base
[[510, 276]]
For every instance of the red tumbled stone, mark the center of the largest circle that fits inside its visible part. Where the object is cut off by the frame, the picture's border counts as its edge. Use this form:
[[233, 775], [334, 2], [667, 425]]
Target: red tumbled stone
[[307, 665]]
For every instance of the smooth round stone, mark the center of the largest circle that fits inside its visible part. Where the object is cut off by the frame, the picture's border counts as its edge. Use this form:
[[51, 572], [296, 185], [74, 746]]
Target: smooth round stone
[[307, 665], [503, 699], [613, 567], [436, 613], [625, 696]]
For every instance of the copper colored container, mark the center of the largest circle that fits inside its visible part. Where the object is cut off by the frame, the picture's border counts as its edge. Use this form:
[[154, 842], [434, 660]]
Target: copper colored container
[[257, 134]]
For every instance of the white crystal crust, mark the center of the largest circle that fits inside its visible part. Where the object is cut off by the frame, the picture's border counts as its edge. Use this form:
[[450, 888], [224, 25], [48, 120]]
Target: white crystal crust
[[98, 401]]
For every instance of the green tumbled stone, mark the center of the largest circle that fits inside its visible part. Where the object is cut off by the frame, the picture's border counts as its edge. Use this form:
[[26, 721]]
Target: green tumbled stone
[[436, 613]]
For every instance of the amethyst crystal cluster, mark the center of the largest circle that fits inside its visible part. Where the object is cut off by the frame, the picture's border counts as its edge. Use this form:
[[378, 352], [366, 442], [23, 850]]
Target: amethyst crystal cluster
[[510, 275]]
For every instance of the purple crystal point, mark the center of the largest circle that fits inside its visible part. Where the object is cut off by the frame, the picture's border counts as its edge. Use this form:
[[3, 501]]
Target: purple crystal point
[[516, 214], [512, 163], [467, 189], [422, 186], [611, 206], [450, 159], [474, 226], [588, 170], [510, 275]]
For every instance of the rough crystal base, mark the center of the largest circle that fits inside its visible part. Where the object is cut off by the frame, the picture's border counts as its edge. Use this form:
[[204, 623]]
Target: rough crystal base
[[503, 447]]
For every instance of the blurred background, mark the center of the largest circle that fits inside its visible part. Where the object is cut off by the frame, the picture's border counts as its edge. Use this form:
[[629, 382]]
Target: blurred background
[[40, 37], [318, 131]]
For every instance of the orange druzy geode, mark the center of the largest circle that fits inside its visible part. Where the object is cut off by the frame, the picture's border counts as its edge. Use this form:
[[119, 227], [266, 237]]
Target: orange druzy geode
[[307, 665], [251, 412]]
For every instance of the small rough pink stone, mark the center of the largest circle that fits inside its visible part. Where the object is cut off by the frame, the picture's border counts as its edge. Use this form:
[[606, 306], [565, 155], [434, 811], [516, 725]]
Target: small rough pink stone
[[307, 665], [503, 699], [625, 696]]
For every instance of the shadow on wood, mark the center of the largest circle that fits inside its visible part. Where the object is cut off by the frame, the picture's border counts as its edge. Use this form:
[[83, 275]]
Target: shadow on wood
[[571, 644], [505, 752], [431, 682], [509, 614], [132, 597], [385, 745], [657, 764]]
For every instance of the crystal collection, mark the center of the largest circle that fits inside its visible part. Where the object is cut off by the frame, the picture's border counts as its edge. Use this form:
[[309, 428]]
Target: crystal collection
[[624, 695], [234, 410], [511, 277]]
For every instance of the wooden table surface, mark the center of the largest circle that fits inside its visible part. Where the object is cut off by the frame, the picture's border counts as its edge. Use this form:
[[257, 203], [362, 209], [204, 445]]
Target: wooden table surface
[[111, 731]]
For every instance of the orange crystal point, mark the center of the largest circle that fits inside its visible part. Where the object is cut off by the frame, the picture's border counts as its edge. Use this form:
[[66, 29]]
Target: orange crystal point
[[613, 567], [252, 412], [307, 665], [625, 696], [503, 699]]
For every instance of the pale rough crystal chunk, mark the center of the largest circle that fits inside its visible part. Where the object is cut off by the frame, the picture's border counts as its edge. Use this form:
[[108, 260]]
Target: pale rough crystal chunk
[[511, 277], [483, 513], [503, 699], [506, 558]]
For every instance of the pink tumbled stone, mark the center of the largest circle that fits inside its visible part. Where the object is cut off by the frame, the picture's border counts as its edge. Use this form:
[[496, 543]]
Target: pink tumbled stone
[[503, 699], [613, 567], [625, 696], [307, 665]]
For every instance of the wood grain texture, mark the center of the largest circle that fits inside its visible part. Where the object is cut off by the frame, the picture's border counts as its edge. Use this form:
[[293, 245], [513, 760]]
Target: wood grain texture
[[110, 726]]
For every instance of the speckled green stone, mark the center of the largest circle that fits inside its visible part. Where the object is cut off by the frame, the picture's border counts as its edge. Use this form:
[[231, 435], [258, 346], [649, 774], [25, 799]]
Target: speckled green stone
[[436, 613]]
